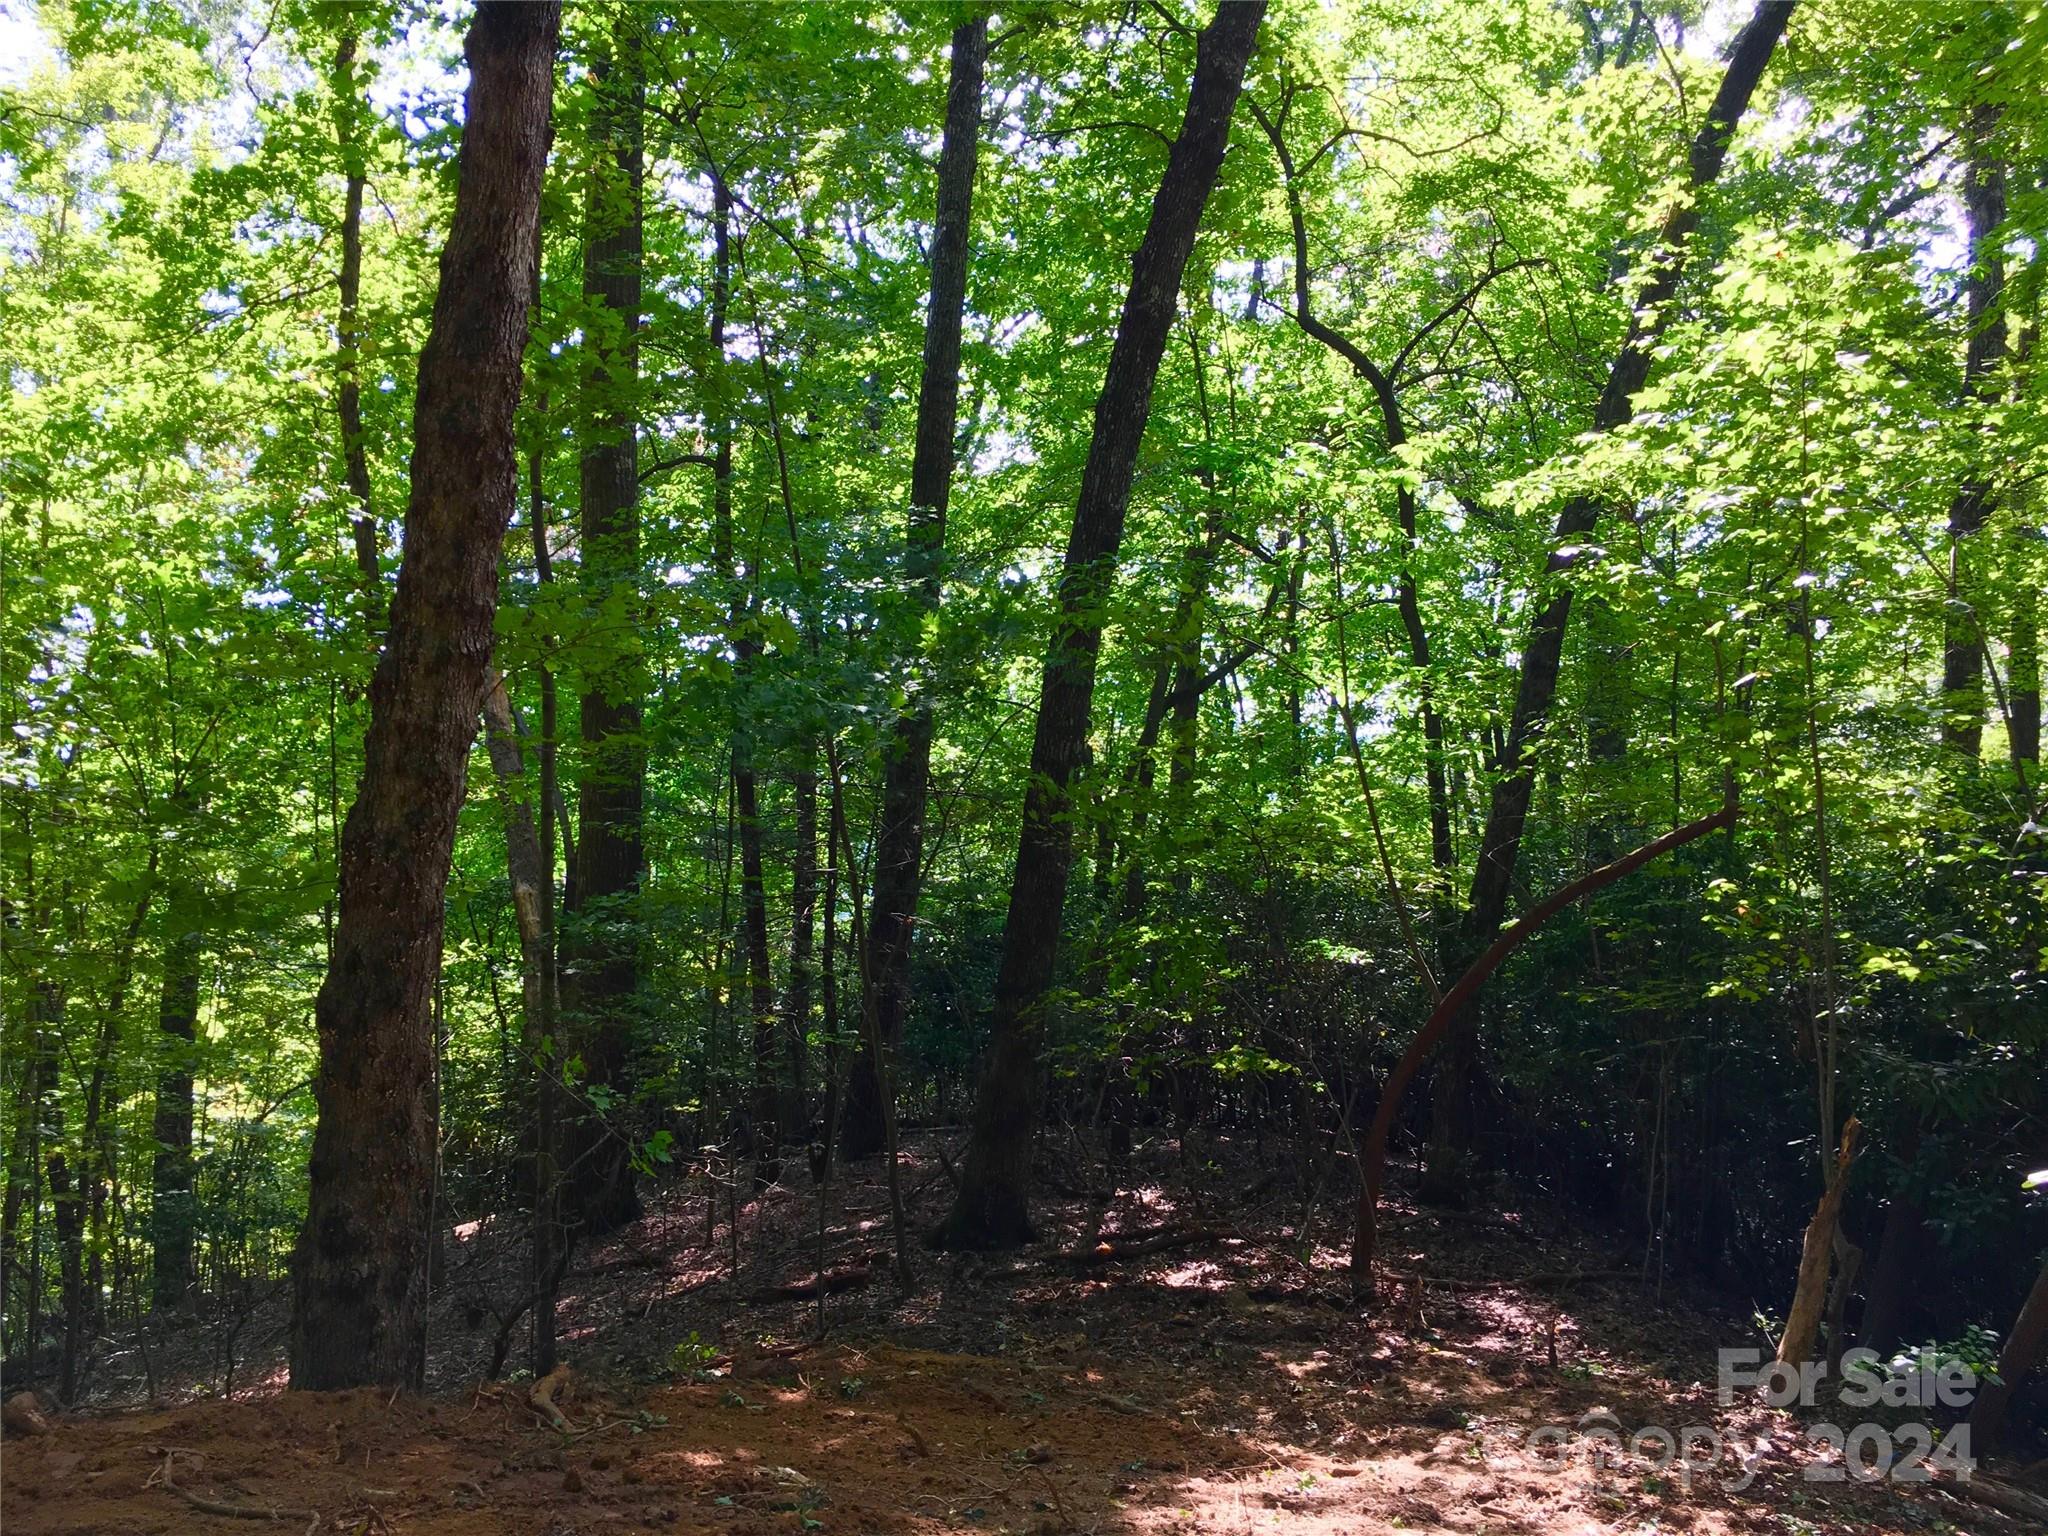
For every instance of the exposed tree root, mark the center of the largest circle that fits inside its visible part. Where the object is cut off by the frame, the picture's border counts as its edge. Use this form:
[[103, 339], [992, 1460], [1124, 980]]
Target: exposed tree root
[[542, 1398], [162, 1478], [2001, 1496]]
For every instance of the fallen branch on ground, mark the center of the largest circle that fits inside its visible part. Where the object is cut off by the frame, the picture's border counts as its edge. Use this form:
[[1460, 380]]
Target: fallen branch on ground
[[1552, 1277], [632, 1259], [1114, 1250], [846, 1277]]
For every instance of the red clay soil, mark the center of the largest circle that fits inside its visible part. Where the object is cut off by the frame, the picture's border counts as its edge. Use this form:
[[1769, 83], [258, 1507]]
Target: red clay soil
[[1224, 1385]]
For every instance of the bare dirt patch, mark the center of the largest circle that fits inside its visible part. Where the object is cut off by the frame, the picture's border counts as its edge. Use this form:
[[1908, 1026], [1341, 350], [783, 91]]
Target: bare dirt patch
[[1221, 1384]]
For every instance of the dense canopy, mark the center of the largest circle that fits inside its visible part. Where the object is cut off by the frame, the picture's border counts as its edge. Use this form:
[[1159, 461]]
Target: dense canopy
[[1065, 572]]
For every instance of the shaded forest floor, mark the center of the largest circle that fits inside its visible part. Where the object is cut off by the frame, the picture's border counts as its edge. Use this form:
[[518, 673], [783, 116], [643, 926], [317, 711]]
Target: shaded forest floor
[[1225, 1385]]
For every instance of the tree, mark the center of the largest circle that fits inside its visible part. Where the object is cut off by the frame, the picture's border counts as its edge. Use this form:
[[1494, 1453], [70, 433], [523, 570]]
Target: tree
[[993, 1204], [171, 1203], [601, 964], [360, 1274], [217, 273], [1962, 672], [1543, 652], [899, 845]]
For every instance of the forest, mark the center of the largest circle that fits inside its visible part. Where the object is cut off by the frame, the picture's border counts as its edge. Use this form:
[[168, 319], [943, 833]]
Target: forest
[[1128, 765]]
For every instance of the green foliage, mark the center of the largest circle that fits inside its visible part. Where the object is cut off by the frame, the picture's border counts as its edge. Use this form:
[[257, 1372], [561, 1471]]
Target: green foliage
[[187, 641]]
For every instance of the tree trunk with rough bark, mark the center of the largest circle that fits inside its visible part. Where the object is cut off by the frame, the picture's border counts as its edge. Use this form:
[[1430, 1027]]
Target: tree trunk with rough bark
[[899, 846], [601, 959], [360, 1268], [992, 1207]]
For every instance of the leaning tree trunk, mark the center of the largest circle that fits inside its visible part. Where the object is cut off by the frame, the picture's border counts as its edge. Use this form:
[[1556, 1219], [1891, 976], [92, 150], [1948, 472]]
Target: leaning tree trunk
[[1372, 1159], [172, 1213], [1809, 1296], [2025, 1348], [1543, 652], [899, 844], [601, 965], [992, 1208], [360, 1268]]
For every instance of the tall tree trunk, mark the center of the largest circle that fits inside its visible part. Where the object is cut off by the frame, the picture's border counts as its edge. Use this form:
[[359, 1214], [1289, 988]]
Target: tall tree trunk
[[2025, 691], [67, 1205], [172, 1207], [550, 1245], [993, 1204], [763, 1136], [355, 455], [803, 939], [899, 845], [360, 1270], [1543, 652], [1903, 1248], [1962, 664], [828, 992], [764, 1131], [26, 1055], [101, 1163], [532, 882], [35, 1106], [601, 968]]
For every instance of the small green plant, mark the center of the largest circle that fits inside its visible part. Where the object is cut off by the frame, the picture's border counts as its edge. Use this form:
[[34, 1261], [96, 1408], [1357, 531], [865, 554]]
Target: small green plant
[[1976, 1349], [691, 1357], [851, 1387]]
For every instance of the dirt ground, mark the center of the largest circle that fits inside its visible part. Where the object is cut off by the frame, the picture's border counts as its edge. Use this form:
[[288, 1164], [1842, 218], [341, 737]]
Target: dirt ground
[[1219, 1385]]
